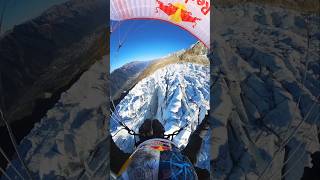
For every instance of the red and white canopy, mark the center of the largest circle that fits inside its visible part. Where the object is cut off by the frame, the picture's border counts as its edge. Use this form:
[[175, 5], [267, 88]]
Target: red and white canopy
[[191, 15]]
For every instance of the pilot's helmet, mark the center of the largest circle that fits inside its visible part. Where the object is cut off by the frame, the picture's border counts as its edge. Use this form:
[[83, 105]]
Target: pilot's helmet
[[157, 159]]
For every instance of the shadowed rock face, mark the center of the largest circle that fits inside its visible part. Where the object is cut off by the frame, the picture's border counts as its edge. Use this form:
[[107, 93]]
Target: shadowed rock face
[[43, 55], [121, 78]]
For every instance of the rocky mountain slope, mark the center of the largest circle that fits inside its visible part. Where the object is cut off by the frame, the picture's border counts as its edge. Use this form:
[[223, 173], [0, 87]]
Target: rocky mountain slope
[[46, 54], [197, 53], [122, 78], [265, 70]]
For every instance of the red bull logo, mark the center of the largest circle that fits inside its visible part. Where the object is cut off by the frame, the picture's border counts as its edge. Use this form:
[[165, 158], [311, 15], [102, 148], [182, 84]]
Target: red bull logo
[[178, 12], [161, 148]]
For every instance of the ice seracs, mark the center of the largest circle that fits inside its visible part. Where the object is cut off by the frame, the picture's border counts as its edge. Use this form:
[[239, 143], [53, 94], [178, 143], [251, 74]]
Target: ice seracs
[[177, 95]]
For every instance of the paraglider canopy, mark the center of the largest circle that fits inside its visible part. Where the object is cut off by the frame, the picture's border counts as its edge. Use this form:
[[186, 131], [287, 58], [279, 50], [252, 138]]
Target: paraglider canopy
[[191, 15]]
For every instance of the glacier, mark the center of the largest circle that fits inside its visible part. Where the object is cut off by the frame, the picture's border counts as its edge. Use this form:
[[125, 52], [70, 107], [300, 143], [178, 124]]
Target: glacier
[[177, 95]]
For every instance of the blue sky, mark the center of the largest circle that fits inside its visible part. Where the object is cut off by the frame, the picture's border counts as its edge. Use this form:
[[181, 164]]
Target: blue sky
[[19, 11], [146, 40]]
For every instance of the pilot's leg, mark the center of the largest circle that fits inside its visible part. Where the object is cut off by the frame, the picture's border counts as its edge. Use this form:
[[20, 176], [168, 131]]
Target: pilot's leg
[[194, 146]]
